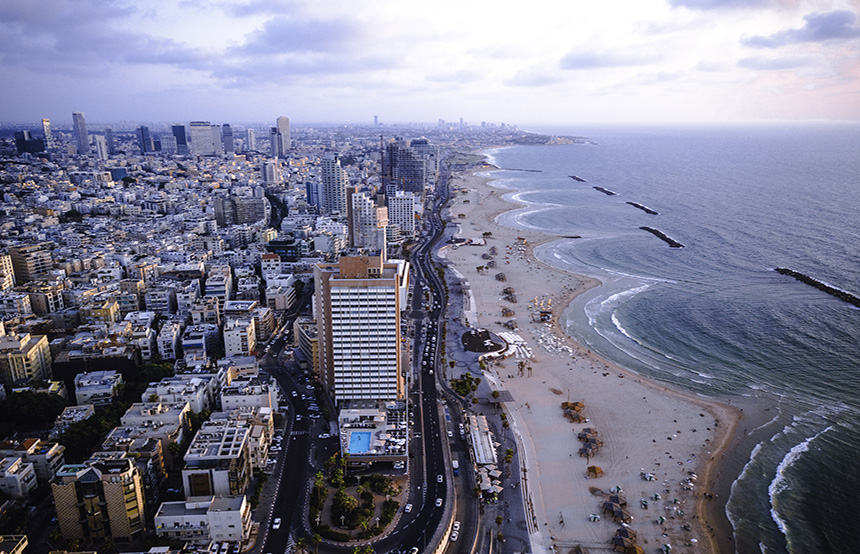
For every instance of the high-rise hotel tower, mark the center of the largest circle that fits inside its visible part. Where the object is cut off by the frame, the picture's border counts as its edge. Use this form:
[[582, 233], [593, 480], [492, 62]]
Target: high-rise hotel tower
[[358, 301]]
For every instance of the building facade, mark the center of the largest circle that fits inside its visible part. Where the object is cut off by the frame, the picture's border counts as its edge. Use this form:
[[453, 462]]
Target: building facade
[[358, 304]]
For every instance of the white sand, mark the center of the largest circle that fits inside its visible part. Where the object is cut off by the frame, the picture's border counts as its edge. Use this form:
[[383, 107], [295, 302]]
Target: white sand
[[644, 425]]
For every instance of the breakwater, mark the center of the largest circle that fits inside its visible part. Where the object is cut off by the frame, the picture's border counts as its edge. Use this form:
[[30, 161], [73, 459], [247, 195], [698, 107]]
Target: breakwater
[[645, 209], [812, 281], [517, 169], [575, 178], [661, 235], [607, 192]]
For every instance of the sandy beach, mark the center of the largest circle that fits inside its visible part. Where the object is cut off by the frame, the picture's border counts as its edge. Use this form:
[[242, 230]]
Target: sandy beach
[[659, 446]]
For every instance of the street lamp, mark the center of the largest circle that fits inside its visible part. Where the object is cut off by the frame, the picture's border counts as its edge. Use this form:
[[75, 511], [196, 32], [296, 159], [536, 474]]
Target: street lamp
[[342, 518]]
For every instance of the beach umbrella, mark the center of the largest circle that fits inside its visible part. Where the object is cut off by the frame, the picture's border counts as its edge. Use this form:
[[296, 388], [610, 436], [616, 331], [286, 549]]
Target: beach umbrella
[[618, 499], [595, 471], [625, 532]]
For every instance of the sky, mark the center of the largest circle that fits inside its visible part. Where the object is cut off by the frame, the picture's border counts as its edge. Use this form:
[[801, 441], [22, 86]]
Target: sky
[[345, 61]]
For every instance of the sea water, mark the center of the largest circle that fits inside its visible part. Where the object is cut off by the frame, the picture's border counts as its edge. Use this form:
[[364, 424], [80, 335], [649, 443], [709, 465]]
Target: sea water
[[713, 317]]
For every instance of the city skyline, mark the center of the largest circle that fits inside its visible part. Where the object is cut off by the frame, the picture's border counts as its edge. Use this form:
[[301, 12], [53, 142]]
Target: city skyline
[[655, 61]]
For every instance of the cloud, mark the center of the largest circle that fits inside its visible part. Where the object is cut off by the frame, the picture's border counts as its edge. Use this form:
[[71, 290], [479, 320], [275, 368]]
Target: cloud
[[458, 76], [597, 60], [720, 4], [774, 64], [290, 34], [533, 77], [818, 27]]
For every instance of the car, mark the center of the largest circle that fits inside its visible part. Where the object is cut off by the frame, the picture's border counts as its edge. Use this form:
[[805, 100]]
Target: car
[[456, 526], [277, 523], [454, 536], [438, 502], [294, 393], [438, 478], [314, 416], [408, 508], [450, 434], [325, 436], [414, 550]]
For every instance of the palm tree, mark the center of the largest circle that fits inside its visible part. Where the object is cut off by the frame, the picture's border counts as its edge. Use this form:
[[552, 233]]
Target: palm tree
[[316, 540], [301, 543]]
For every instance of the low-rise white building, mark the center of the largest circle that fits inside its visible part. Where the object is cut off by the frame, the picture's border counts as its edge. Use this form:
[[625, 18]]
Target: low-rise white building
[[97, 387], [218, 460], [250, 393], [240, 337], [203, 519], [17, 478]]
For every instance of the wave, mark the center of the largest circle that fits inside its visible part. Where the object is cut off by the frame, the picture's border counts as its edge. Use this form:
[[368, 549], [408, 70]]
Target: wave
[[763, 425], [622, 329], [780, 481], [730, 515]]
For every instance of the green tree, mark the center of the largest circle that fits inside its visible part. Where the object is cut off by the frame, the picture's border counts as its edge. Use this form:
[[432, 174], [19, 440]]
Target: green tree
[[316, 540]]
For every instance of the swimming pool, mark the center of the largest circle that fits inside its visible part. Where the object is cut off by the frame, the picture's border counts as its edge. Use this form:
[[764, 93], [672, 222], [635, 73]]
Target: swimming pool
[[359, 442]]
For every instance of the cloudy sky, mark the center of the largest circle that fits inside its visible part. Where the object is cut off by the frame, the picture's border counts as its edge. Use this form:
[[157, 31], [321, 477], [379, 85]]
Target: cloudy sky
[[344, 61]]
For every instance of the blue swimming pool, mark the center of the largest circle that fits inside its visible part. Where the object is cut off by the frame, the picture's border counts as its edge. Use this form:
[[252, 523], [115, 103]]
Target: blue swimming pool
[[359, 442]]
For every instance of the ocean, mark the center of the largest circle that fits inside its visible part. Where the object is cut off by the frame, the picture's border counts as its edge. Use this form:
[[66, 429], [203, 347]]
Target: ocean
[[713, 317]]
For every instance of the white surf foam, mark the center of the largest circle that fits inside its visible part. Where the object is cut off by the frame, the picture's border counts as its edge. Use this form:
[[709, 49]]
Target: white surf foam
[[780, 481]]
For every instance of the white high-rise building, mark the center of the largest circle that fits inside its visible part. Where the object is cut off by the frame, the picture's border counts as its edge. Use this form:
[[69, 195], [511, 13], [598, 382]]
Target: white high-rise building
[[217, 147], [49, 137], [285, 142], [201, 138], [401, 213], [101, 147], [271, 172], [82, 140], [368, 223], [358, 303], [251, 143], [334, 182]]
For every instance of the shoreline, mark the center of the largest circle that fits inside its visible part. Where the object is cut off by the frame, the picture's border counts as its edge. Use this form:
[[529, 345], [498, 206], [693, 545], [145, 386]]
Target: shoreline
[[710, 525]]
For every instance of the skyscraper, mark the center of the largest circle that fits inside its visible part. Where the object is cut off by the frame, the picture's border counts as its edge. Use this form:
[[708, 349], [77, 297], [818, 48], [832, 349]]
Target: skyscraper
[[367, 223], [217, 147], [109, 140], [285, 142], [312, 193], [271, 172], [358, 304], [401, 213], [49, 138], [227, 138], [101, 147], [144, 139], [181, 139], [82, 140], [24, 142], [168, 144], [334, 183], [252, 140], [201, 138]]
